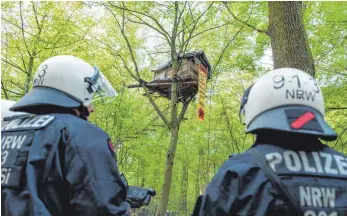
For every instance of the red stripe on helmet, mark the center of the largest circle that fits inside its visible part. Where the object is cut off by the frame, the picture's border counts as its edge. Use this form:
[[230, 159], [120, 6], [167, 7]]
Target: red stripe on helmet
[[302, 120]]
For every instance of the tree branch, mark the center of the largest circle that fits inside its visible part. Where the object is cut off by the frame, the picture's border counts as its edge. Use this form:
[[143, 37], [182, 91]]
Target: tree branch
[[186, 42], [22, 27], [184, 109], [127, 42], [225, 48], [13, 65], [138, 78], [35, 15], [160, 113], [16, 25], [22, 57], [173, 38], [16, 93], [245, 23], [230, 128], [149, 25], [146, 15], [339, 137], [17, 85], [57, 35], [4, 90], [195, 21], [335, 108], [128, 69], [201, 15], [209, 29]]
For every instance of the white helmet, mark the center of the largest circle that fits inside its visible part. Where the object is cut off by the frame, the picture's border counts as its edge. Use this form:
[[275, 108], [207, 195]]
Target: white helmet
[[6, 114], [286, 99], [64, 81]]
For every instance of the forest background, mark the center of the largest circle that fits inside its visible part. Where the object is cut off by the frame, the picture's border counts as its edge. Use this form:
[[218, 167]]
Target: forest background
[[128, 39]]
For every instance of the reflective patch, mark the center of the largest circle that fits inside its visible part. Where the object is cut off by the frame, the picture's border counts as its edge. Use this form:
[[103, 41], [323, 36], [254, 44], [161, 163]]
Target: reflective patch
[[14, 153], [317, 163], [11, 176], [29, 123]]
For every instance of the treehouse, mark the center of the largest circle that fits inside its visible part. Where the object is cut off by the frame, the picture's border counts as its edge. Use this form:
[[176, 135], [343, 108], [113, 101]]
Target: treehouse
[[188, 75]]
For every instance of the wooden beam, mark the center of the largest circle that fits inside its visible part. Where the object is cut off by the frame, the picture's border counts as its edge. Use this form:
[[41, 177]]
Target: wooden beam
[[169, 83], [134, 86]]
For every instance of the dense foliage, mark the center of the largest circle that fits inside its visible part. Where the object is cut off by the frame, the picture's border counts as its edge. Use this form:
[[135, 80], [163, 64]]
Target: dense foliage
[[34, 31]]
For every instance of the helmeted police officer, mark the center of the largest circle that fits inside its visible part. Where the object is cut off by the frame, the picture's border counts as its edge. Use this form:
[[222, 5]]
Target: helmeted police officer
[[7, 115], [57, 163], [285, 109]]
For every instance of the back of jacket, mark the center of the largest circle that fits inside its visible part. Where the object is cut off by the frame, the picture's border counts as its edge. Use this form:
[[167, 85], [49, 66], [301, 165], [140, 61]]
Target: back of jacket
[[317, 179], [59, 164]]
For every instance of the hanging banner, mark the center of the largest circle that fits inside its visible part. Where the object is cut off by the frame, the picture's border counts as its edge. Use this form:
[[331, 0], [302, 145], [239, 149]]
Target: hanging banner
[[201, 92]]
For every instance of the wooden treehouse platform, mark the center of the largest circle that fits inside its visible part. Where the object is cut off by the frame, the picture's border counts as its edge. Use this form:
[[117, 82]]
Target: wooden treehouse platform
[[187, 75], [185, 89]]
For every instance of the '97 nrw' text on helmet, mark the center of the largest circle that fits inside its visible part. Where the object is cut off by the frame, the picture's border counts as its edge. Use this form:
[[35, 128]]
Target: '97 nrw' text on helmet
[[287, 100], [67, 82]]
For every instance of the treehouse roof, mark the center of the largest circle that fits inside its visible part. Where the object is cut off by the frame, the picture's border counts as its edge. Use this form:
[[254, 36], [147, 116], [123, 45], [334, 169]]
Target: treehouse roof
[[199, 55]]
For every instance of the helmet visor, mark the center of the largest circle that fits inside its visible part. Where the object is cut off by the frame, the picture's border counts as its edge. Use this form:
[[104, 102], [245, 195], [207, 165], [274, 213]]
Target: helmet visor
[[100, 87]]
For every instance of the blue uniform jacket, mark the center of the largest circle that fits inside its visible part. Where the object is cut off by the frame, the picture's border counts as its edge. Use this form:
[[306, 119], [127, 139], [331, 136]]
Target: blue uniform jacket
[[59, 164], [318, 180]]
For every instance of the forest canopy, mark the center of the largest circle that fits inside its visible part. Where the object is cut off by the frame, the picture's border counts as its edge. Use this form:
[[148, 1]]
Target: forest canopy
[[126, 40]]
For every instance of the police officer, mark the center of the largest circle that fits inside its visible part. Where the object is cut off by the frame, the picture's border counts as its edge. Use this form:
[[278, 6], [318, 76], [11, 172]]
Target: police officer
[[285, 110], [7, 115], [57, 163]]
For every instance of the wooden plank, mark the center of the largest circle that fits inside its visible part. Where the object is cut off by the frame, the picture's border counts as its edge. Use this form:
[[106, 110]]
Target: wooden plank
[[169, 84]]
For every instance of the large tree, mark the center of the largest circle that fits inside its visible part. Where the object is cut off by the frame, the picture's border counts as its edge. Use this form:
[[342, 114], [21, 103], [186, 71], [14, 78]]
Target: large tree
[[286, 29], [289, 42], [178, 24]]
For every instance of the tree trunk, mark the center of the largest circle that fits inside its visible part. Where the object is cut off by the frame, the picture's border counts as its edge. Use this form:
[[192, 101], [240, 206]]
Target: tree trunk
[[183, 192], [170, 157], [289, 41], [165, 193], [29, 73], [197, 180]]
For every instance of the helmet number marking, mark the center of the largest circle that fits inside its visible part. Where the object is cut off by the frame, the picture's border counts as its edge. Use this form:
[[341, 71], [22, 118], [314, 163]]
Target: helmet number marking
[[40, 76], [316, 88], [278, 81], [297, 77], [297, 92]]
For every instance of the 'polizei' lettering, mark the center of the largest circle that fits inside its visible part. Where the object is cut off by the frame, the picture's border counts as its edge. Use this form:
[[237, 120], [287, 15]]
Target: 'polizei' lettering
[[341, 164], [328, 163], [36, 122], [292, 160], [310, 162], [273, 159], [317, 162], [305, 162], [11, 123]]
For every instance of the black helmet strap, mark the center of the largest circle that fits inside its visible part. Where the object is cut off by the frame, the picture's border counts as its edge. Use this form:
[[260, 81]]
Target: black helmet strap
[[83, 112]]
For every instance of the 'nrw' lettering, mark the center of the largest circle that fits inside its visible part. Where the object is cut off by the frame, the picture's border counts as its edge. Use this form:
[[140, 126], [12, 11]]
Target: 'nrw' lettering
[[317, 196], [12, 142]]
